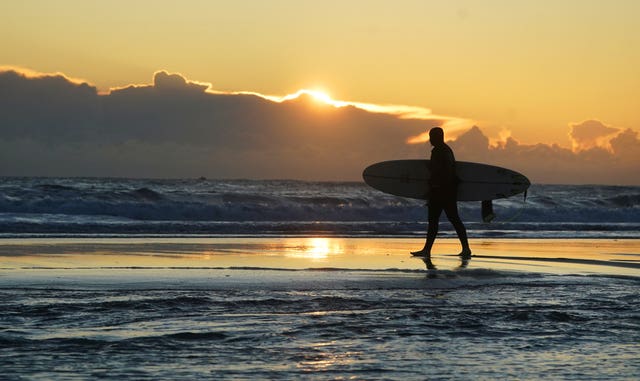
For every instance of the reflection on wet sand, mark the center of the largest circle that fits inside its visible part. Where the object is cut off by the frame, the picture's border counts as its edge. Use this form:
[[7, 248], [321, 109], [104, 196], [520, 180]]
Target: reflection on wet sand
[[315, 248], [464, 263], [551, 256]]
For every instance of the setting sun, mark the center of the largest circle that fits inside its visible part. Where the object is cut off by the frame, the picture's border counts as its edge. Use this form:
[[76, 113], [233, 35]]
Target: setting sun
[[320, 96], [317, 95]]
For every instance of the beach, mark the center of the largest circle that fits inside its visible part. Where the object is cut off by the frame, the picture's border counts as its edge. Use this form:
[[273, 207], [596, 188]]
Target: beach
[[318, 308], [170, 279], [27, 258]]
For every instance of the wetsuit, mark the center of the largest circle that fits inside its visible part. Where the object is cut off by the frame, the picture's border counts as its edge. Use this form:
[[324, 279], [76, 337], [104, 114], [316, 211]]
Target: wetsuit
[[443, 189]]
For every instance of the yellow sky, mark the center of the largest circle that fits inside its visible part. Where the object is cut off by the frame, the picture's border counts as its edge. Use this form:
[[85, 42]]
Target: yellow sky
[[532, 67]]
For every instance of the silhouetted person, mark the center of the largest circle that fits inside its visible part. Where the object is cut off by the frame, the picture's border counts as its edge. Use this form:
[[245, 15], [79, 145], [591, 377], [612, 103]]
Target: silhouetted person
[[443, 194]]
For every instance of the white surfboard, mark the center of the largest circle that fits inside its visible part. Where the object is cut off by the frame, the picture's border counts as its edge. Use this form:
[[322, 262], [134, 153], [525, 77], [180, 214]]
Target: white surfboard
[[478, 182]]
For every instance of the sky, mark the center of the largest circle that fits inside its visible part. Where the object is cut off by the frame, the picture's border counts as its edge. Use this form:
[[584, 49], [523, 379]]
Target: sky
[[557, 81]]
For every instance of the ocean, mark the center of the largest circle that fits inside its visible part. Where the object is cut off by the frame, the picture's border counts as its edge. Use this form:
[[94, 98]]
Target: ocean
[[63, 207], [245, 280]]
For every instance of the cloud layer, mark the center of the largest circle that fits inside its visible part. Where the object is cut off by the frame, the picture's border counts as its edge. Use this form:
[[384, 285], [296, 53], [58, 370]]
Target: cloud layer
[[176, 128], [545, 163], [51, 125]]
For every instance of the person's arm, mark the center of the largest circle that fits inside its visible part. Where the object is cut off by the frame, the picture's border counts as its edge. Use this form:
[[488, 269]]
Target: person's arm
[[437, 168], [442, 169]]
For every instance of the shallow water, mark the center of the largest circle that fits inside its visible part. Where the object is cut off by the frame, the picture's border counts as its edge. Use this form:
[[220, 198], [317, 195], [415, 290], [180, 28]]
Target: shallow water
[[470, 324], [135, 309]]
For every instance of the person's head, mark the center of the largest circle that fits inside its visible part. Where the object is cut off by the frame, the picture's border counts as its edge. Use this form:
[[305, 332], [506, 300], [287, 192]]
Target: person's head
[[436, 136]]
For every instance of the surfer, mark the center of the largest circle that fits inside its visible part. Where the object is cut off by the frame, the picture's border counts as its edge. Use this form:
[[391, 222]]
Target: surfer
[[443, 189]]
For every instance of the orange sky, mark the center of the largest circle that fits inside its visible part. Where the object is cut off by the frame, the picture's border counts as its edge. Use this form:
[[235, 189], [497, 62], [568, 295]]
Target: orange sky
[[562, 73], [528, 67]]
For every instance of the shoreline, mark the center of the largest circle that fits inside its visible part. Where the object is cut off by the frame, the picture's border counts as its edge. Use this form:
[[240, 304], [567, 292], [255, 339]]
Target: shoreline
[[549, 256]]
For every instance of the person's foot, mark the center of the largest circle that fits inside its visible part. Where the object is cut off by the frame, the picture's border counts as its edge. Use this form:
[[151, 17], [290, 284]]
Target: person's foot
[[422, 253], [464, 262], [430, 265], [465, 253]]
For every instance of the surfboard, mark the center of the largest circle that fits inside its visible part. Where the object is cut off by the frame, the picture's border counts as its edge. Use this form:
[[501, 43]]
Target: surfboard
[[478, 182]]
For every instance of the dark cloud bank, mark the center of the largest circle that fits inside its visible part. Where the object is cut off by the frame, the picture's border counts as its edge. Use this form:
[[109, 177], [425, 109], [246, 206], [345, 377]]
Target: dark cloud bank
[[51, 126]]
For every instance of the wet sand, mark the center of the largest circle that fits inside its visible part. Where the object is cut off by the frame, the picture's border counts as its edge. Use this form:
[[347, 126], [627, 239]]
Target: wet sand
[[318, 308], [221, 261]]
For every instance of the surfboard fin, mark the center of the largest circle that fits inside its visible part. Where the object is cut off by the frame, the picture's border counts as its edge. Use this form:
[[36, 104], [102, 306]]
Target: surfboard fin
[[487, 211]]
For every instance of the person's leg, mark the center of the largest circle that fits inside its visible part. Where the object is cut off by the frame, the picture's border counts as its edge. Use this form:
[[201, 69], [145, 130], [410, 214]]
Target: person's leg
[[435, 210], [451, 210]]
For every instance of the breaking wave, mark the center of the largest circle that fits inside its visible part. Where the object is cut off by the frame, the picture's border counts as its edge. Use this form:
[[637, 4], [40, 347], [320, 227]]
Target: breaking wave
[[134, 206]]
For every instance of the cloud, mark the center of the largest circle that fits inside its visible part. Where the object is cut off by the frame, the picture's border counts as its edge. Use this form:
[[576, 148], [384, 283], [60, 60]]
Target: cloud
[[544, 163], [591, 134], [626, 146], [51, 125], [45, 107], [175, 127], [175, 82], [31, 74]]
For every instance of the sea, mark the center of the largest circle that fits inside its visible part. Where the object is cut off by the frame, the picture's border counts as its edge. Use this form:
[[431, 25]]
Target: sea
[[237, 322], [92, 207]]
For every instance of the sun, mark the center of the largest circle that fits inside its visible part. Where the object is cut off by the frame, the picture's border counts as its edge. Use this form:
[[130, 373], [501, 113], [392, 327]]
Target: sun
[[320, 96]]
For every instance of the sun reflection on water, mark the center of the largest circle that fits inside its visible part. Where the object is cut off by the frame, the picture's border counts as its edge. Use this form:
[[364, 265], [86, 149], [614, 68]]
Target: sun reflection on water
[[324, 356], [316, 248]]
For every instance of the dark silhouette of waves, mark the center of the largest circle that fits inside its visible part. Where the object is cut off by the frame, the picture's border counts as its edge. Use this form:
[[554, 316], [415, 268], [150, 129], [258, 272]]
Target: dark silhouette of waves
[[134, 206]]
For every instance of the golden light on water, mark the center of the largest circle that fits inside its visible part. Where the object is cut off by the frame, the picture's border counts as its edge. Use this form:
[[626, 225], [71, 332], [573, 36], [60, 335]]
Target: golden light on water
[[325, 356], [316, 248]]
